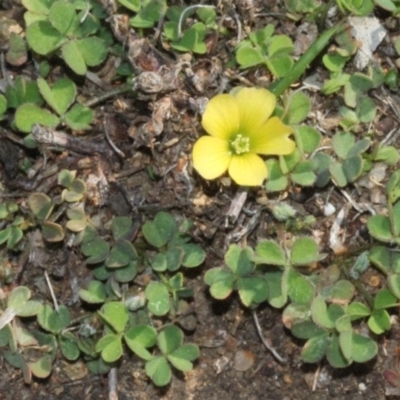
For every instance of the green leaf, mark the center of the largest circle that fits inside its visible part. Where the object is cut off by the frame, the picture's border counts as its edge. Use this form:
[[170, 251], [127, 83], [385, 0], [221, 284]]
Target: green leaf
[[334, 354], [221, 281], [43, 38], [52, 320], [121, 228], [158, 371], [181, 358], [60, 96], [169, 338], [393, 282], [357, 310], [74, 59], [342, 143], [121, 254], [306, 330], [340, 292], [158, 298], [379, 322], [110, 347], [276, 181], [269, 252], [93, 50], [319, 313], [97, 250], [160, 231], [42, 367], [18, 297], [388, 154], [239, 260], [133, 5], [29, 114], [95, 293], [315, 348], [303, 173], [364, 348], [149, 14], [252, 290], [38, 6], [192, 40], [384, 299], [277, 287], [308, 137], [337, 172], [280, 66], [41, 205], [352, 168], [301, 290], [52, 232], [69, 348], [139, 338], [379, 227], [346, 344], [366, 109], [299, 107], [194, 255], [115, 314], [247, 56], [126, 274], [304, 252], [62, 15]]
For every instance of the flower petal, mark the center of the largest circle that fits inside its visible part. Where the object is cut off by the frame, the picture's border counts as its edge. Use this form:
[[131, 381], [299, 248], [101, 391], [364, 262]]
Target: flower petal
[[273, 138], [248, 169], [211, 157], [255, 107], [221, 117]]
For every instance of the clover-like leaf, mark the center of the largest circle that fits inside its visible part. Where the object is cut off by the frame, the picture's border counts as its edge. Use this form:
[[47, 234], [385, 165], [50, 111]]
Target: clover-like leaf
[[43, 38], [379, 322], [182, 357], [158, 370], [115, 314], [139, 338], [52, 320], [301, 289], [304, 252], [315, 348], [240, 261], [277, 181], [94, 294], [110, 347], [194, 255], [269, 252], [169, 338], [221, 282], [121, 228], [97, 250], [159, 231], [121, 254], [379, 227], [158, 298], [30, 114], [299, 107], [60, 95], [252, 290], [364, 348], [52, 232], [62, 15], [42, 367]]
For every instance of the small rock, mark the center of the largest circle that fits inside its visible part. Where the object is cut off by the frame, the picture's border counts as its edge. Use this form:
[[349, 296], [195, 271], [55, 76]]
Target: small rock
[[243, 360]]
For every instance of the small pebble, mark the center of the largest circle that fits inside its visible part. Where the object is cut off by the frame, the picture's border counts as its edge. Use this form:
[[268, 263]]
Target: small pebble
[[362, 387]]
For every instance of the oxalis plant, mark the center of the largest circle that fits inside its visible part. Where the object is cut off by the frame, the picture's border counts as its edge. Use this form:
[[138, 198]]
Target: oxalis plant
[[129, 290]]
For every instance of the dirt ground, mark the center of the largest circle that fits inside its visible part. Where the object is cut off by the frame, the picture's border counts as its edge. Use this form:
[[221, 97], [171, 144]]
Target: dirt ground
[[154, 174]]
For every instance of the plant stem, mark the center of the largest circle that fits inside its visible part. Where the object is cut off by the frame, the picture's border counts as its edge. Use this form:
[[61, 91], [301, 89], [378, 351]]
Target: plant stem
[[278, 87]]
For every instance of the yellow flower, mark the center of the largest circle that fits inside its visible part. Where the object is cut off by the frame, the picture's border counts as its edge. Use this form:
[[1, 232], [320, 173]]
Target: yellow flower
[[240, 127]]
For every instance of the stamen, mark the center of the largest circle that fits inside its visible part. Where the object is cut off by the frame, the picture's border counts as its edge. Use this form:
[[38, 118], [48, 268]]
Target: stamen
[[240, 144]]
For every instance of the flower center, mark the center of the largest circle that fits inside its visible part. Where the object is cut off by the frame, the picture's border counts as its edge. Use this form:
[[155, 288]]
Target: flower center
[[240, 144]]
